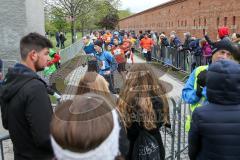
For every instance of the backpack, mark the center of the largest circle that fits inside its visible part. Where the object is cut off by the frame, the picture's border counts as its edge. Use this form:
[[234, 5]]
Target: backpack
[[146, 147]]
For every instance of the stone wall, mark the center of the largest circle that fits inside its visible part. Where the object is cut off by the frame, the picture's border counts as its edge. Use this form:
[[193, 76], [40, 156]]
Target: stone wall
[[18, 18]]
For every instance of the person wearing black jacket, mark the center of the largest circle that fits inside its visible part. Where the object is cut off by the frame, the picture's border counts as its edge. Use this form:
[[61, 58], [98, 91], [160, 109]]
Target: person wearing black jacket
[[25, 105], [214, 132], [143, 107]]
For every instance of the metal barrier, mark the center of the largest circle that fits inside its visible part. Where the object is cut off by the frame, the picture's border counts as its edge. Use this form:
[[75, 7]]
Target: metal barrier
[[175, 139], [7, 63], [70, 52], [183, 60]]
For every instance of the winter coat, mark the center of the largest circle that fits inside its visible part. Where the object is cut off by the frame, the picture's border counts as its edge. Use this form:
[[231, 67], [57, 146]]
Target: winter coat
[[136, 127], [164, 41], [89, 49], [175, 42], [206, 50], [215, 130], [106, 62], [26, 113]]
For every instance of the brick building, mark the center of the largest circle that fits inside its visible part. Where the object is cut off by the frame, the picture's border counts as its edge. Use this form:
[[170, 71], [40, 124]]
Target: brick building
[[196, 16]]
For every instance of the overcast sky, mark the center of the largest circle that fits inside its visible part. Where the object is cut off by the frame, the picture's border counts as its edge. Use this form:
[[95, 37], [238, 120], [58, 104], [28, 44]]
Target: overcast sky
[[136, 6]]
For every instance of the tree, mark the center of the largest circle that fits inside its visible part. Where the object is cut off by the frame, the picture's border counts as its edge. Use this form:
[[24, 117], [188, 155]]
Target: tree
[[110, 21], [124, 13], [70, 9]]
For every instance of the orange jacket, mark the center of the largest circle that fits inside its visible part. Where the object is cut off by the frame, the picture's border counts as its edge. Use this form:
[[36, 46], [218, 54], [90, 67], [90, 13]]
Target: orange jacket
[[146, 43]]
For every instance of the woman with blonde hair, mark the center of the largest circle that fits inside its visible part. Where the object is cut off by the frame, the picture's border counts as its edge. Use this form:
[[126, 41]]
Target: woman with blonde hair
[[85, 128], [143, 106], [93, 82]]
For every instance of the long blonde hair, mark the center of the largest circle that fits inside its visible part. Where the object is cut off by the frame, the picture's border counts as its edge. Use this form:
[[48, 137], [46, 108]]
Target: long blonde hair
[[93, 82], [135, 98]]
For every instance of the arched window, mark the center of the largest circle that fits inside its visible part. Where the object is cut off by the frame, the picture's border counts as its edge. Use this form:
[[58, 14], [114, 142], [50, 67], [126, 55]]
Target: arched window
[[225, 21], [205, 22], [218, 20], [194, 22], [234, 20]]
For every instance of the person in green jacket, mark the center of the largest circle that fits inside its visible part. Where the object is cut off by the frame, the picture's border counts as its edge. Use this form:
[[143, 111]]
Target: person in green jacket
[[52, 64]]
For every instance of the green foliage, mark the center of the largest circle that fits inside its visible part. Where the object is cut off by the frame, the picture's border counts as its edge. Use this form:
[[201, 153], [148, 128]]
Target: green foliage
[[110, 21], [124, 13]]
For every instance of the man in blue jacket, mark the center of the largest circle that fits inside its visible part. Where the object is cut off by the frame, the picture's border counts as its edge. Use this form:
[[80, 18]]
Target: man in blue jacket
[[106, 63], [91, 54], [194, 91]]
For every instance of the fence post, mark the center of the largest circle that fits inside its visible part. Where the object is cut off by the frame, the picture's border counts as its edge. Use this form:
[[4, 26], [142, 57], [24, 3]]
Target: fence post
[[2, 154], [179, 110], [173, 129]]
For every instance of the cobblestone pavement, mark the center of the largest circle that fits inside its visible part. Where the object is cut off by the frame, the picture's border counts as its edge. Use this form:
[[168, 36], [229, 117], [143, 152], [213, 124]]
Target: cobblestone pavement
[[172, 85]]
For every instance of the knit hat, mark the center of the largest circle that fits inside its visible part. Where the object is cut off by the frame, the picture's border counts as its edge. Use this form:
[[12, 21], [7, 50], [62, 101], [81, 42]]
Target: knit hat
[[226, 45], [98, 43]]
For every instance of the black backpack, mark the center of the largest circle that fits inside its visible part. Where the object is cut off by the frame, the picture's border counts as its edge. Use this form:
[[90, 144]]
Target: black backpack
[[146, 147]]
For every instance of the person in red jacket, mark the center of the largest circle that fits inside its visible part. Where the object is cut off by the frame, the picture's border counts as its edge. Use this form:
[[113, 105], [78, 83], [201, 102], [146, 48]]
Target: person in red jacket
[[118, 52], [146, 44]]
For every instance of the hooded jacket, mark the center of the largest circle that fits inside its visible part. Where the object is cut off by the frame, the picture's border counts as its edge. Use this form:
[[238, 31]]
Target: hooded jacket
[[215, 130], [26, 113]]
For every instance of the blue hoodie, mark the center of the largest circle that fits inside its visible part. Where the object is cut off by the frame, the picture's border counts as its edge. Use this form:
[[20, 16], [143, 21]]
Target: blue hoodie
[[106, 62]]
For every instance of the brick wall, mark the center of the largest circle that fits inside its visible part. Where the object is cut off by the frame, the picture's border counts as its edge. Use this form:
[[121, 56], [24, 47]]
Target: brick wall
[[195, 16]]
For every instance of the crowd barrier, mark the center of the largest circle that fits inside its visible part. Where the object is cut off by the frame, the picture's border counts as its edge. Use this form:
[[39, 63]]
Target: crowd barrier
[[182, 60], [175, 139]]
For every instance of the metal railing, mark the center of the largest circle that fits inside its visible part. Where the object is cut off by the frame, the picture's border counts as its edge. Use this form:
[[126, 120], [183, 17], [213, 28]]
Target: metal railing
[[70, 52], [7, 63], [182, 60], [175, 139]]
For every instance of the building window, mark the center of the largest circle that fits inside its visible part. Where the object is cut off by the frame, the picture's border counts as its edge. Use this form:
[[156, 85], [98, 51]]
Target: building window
[[185, 23], [194, 22], [234, 20], [199, 3], [205, 22], [172, 24], [225, 21], [178, 23], [218, 20]]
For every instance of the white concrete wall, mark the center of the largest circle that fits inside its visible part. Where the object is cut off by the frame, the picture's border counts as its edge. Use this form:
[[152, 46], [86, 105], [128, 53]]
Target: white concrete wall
[[18, 18]]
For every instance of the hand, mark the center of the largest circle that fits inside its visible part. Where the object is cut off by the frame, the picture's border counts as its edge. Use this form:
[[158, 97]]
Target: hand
[[107, 72], [202, 78]]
